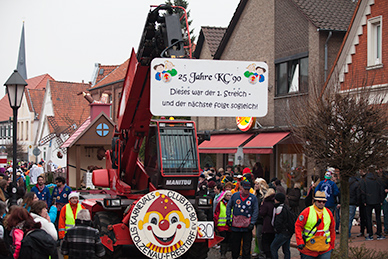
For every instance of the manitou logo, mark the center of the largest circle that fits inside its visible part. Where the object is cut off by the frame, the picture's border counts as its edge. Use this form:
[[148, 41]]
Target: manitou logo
[[178, 182]]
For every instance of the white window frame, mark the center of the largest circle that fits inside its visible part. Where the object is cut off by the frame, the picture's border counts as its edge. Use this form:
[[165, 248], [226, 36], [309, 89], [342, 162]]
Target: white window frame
[[21, 130], [26, 130], [375, 41]]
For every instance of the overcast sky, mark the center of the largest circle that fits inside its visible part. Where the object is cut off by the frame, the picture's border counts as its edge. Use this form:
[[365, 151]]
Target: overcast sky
[[66, 38]]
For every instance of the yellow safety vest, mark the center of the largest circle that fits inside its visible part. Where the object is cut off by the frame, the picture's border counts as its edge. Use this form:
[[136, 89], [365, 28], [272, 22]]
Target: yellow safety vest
[[222, 217], [70, 219], [310, 223]]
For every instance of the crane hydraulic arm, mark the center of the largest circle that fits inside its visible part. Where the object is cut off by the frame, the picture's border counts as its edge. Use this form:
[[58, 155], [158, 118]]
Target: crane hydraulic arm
[[162, 37]]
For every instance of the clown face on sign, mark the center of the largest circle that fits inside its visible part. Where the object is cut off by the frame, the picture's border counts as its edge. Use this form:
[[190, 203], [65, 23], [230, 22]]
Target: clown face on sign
[[163, 222]]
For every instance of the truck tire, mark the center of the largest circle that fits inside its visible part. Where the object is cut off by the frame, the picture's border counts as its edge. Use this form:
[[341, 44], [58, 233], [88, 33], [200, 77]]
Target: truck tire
[[198, 250], [101, 221]]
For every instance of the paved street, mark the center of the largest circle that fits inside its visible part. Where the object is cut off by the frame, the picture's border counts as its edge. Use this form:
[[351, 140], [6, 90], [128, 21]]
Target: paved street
[[215, 253], [377, 245]]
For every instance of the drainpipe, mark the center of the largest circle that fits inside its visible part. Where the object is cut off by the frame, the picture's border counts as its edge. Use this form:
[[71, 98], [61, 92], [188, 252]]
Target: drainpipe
[[327, 40]]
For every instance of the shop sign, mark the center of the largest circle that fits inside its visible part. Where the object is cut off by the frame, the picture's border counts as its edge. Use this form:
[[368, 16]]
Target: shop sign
[[189, 87], [245, 123]]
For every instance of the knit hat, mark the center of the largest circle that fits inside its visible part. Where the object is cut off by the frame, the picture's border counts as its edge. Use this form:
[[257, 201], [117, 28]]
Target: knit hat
[[73, 194], [320, 196], [246, 185], [211, 184], [329, 172], [246, 170], [280, 197]]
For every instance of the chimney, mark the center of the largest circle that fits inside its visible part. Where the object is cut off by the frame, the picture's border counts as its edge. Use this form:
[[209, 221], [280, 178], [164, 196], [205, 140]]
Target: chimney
[[96, 108]]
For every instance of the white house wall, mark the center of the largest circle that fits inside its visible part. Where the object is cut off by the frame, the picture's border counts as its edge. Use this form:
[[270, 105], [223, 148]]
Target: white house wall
[[47, 152], [26, 134]]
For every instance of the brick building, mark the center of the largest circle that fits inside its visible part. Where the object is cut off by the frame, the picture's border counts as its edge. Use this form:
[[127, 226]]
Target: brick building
[[299, 40]]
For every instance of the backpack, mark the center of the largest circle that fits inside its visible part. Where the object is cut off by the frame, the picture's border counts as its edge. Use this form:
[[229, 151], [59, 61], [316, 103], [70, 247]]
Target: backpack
[[291, 219], [6, 245]]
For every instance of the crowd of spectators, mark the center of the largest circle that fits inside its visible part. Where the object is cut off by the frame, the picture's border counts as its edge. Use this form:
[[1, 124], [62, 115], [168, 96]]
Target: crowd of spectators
[[43, 222], [368, 194], [247, 208]]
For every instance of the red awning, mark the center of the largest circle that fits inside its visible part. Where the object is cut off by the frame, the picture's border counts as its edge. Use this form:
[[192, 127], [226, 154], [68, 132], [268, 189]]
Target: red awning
[[227, 143], [264, 142]]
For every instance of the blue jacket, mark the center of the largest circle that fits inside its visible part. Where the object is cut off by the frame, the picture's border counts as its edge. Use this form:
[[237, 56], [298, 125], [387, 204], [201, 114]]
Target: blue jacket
[[247, 207], [53, 213], [330, 189], [43, 195], [61, 198]]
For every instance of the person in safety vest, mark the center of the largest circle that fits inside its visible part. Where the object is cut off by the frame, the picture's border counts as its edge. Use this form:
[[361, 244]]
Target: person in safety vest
[[315, 230], [220, 222], [69, 214]]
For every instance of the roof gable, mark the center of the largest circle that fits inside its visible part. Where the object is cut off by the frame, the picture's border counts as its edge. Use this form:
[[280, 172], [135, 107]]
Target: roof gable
[[229, 30], [117, 74], [38, 82], [332, 15], [86, 128], [212, 36], [353, 51]]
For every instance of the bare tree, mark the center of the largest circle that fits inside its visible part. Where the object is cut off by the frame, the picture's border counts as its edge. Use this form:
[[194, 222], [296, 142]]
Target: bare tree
[[20, 153], [345, 129]]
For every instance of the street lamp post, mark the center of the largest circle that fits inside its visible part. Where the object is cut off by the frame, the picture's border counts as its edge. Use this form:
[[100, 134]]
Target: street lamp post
[[15, 88]]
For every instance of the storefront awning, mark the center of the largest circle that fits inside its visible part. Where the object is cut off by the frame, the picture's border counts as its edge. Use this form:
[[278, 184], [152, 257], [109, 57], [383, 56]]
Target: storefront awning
[[227, 143], [264, 142]]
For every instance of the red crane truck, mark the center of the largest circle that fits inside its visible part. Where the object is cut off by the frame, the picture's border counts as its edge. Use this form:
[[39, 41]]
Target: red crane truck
[[152, 204]]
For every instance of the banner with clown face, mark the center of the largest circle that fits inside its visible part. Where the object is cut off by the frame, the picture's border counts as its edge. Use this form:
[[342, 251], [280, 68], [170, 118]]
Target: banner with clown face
[[163, 224]]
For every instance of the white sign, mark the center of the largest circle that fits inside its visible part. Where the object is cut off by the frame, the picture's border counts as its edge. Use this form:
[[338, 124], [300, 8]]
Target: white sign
[[205, 230], [189, 87], [163, 224]]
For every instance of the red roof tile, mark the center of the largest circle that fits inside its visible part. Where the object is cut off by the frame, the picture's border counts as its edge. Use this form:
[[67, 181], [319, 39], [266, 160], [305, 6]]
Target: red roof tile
[[69, 108], [78, 132], [5, 109], [116, 75], [34, 99], [103, 71], [38, 82]]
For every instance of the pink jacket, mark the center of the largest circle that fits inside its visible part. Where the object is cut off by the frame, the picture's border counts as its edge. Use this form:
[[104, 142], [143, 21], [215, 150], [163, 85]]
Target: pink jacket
[[17, 237]]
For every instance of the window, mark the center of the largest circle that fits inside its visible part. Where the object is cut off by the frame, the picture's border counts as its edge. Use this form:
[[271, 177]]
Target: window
[[102, 129], [178, 147], [26, 130], [292, 76], [374, 41], [21, 131]]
